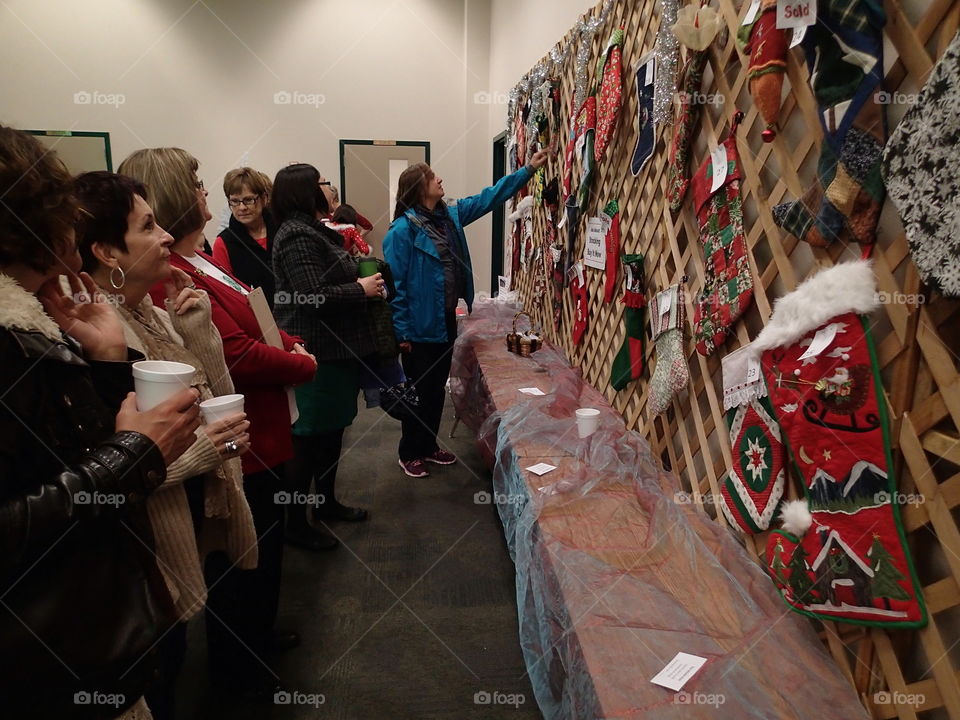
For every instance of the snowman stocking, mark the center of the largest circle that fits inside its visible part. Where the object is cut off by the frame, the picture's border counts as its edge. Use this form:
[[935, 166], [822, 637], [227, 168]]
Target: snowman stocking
[[612, 211], [628, 362], [752, 490], [842, 554], [646, 139], [728, 285], [671, 374]]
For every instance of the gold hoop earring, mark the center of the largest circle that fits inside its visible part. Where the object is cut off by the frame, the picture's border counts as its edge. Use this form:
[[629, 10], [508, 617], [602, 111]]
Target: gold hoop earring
[[123, 278]]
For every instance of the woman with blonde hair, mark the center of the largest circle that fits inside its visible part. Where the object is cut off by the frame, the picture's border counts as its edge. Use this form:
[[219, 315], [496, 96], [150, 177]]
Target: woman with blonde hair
[[201, 507], [242, 604]]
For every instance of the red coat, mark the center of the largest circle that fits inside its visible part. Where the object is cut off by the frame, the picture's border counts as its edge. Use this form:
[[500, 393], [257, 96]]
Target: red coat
[[259, 371]]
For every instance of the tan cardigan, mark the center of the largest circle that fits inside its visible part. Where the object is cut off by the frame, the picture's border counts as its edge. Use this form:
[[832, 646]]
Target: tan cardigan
[[227, 523]]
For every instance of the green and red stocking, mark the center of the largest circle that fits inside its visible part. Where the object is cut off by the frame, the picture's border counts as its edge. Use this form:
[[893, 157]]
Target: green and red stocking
[[842, 554], [727, 286], [766, 44], [752, 490], [628, 362]]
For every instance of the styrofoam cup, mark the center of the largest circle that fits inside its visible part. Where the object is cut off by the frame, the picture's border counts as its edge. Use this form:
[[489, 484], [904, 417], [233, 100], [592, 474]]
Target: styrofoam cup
[[588, 420], [157, 380], [220, 408]]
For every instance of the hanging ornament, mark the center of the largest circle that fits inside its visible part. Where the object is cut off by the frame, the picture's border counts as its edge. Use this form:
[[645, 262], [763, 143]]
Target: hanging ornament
[[696, 26], [667, 52]]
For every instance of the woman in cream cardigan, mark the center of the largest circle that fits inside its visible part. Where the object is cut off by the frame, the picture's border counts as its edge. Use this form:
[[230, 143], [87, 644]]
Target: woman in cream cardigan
[[201, 506]]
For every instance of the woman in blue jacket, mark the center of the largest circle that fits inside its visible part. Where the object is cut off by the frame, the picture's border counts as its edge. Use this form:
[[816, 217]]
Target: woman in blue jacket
[[428, 254]]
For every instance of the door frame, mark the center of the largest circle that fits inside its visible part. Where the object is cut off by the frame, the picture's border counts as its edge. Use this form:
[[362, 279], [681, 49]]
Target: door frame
[[387, 143], [499, 214]]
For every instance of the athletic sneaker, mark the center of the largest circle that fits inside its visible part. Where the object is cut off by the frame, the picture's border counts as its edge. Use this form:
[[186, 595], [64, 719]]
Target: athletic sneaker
[[441, 457], [414, 468]]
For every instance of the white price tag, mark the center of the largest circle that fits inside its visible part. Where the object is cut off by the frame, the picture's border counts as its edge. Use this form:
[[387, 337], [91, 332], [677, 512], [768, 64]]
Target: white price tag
[[663, 302], [579, 268], [651, 71], [532, 391], [753, 369], [678, 671], [718, 160], [798, 34], [751, 12], [629, 271], [541, 468], [796, 13], [821, 341]]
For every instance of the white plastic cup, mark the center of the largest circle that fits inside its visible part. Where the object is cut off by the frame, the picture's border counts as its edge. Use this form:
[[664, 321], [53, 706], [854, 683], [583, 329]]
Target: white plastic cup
[[588, 420], [158, 380], [220, 408]]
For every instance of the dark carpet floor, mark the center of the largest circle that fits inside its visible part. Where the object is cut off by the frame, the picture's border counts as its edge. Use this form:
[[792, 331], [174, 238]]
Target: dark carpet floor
[[415, 613]]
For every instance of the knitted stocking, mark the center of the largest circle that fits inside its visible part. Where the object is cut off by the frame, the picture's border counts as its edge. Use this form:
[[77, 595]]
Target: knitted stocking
[[845, 56], [921, 166], [610, 93], [842, 554], [671, 373], [728, 285], [645, 70], [678, 169], [581, 310], [628, 363], [752, 490], [612, 210], [767, 47]]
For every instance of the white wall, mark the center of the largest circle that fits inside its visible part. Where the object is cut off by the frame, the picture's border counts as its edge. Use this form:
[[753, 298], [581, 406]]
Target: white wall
[[203, 76]]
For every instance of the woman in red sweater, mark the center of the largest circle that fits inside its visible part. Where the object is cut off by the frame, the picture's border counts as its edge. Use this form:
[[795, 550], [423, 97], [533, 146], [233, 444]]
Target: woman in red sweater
[[242, 604]]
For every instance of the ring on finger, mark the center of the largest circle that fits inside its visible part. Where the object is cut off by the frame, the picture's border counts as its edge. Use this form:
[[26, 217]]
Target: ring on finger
[[231, 446]]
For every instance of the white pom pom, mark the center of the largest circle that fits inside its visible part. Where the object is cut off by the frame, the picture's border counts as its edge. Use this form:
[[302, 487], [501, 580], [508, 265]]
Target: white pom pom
[[796, 517]]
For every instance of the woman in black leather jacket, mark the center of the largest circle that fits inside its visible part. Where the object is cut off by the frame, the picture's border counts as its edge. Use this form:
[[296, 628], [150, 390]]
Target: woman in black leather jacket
[[83, 602]]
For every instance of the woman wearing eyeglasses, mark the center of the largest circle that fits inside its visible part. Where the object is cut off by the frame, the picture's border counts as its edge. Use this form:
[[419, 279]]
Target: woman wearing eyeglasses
[[245, 245]]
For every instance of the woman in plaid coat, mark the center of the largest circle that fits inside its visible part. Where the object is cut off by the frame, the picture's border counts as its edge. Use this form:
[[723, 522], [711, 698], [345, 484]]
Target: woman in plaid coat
[[320, 298]]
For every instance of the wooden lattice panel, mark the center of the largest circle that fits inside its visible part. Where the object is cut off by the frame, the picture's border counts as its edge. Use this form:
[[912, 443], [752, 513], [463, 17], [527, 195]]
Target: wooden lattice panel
[[917, 344]]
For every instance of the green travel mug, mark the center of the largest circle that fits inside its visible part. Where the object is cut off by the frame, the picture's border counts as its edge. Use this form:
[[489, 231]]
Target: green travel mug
[[368, 267]]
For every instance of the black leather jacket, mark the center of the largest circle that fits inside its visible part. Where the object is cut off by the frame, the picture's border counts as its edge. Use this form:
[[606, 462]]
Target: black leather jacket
[[81, 599]]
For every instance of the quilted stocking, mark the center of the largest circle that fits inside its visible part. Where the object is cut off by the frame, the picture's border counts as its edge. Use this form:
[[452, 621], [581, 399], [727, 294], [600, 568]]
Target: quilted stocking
[[671, 374], [628, 362], [842, 554], [612, 210]]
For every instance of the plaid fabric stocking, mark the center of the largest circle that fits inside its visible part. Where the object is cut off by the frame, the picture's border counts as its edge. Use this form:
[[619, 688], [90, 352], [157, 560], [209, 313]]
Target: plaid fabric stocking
[[844, 53], [628, 362], [671, 374], [612, 210], [728, 285], [581, 310], [842, 554], [767, 47], [752, 490], [645, 137], [610, 93], [678, 169]]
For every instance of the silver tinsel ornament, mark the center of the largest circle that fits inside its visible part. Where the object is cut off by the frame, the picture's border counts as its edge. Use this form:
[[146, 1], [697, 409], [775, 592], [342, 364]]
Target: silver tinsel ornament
[[667, 53], [587, 27]]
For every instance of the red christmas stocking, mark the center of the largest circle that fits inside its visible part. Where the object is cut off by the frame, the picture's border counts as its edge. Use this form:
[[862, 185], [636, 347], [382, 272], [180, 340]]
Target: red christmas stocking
[[678, 170], [842, 554], [752, 490], [581, 142], [628, 362], [612, 211], [728, 285], [581, 312], [767, 47], [610, 94]]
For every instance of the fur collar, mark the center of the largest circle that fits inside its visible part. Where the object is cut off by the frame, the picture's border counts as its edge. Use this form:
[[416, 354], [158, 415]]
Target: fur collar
[[21, 310], [844, 288]]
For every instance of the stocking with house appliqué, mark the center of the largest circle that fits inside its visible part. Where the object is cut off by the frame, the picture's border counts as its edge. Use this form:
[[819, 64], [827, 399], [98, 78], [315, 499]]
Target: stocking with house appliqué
[[842, 553], [752, 489], [844, 52]]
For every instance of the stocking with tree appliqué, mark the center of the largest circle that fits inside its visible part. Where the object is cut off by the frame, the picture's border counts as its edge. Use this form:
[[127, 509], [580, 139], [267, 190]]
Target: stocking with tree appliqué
[[844, 52], [842, 554], [752, 489], [628, 362], [728, 285], [671, 373]]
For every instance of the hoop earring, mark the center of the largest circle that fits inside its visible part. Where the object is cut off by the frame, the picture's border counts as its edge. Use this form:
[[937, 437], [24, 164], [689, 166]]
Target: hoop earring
[[123, 278]]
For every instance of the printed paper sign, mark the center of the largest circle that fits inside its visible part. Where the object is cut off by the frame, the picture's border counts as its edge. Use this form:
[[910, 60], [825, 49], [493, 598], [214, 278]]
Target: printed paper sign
[[796, 13], [503, 282], [718, 159], [678, 671], [593, 254], [541, 468]]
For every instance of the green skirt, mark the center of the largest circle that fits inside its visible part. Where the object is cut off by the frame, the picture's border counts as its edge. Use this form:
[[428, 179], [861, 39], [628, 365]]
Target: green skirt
[[329, 401]]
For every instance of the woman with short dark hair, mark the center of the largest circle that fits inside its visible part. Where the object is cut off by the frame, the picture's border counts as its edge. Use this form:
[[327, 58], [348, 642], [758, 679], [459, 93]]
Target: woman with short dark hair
[[321, 298]]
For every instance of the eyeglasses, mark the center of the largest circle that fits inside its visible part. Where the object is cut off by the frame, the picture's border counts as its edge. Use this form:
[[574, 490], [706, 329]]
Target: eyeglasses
[[199, 184], [248, 201], [325, 182]]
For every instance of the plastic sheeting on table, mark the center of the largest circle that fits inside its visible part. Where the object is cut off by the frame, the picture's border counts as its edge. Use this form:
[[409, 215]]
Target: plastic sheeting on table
[[614, 574]]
